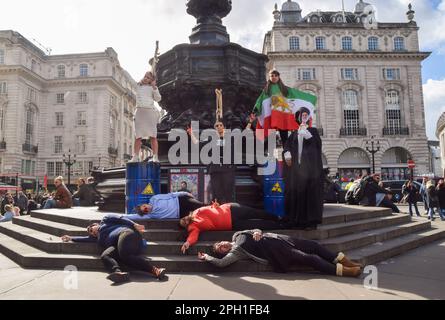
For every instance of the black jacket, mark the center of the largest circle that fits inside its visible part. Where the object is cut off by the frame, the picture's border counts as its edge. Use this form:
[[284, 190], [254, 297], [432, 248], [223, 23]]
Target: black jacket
[[371, 190]]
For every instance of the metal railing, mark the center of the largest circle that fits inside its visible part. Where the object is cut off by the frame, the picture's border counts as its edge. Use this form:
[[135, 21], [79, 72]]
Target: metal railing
[[353, 132]]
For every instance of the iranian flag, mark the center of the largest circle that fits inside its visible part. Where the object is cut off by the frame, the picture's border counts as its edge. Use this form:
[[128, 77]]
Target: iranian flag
[[278, 112]]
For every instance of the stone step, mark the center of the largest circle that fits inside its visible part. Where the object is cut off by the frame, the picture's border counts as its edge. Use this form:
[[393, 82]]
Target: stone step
[[83, 217], [30, 257], [381, 251], [349, 242]]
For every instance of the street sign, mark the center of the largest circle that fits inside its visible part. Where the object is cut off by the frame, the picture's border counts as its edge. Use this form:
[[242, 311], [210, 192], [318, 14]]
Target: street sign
[[411, 164]]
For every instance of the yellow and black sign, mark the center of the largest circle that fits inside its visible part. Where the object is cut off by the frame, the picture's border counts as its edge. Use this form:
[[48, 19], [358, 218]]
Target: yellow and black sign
[[277, 188], [148, 191]]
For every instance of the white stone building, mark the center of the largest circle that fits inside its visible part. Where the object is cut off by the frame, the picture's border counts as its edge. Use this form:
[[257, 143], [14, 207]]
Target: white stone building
[[50, 104], [440, 133], [368, 83]]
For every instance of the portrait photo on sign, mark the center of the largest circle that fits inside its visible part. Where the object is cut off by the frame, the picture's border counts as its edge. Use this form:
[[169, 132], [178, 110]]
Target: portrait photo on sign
[[185, 182]]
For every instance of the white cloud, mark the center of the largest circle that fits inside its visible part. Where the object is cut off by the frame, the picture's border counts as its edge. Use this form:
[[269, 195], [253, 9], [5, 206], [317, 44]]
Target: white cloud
[[434, 92]]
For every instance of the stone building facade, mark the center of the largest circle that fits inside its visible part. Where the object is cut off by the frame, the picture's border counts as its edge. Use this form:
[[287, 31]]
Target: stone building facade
[[368, 83], [53, 104]]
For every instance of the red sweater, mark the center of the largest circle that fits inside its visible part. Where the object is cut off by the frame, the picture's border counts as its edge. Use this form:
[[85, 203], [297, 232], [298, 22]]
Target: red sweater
[[209, 218]]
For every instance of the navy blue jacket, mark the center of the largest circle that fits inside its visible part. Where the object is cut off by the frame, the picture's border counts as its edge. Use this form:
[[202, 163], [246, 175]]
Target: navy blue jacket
[[110, 228]]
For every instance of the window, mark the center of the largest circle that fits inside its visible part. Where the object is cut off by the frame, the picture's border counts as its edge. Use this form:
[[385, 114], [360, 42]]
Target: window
[[2, 121], [26, 167], [60, 98], [391, 74], [61, 71], [3, 87], [31, 95], [294, 43], [58, 144], [346, 43], [399, 44], [83, 70], [82, 97], [112, 130], [59, 169], [113, 100], [33, 65], [50, 169], [59, 119], [351, 114], [349, 74], [29, 129], [393, 114], [81, 145], [81, 118], [320, 43], [373, 44], [306, 74], [2, 56]]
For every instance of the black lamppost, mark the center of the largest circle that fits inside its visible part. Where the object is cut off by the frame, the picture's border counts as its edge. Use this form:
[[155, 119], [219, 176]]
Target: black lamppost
[[69, 163], [375, 147]]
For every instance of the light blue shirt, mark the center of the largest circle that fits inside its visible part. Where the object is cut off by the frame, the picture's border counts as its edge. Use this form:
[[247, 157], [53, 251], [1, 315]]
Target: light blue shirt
[[7, 217], [165, 206]]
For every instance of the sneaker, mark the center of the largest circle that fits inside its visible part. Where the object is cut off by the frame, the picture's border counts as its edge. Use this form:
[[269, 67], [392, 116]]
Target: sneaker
[[159, 273], [119, 277], [135, 159], [155, 159]]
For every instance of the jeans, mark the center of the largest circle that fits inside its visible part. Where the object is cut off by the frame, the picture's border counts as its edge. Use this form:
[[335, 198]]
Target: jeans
[[411, 204], [188, 204], [386, 203], [312, 254], [245, 218], [50, 204], [76, 202], [442, 213], [128, 252]]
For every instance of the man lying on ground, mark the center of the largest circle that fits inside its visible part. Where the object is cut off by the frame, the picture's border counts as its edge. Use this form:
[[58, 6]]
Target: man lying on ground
[[282, 253], [166, 206], [122, 242]]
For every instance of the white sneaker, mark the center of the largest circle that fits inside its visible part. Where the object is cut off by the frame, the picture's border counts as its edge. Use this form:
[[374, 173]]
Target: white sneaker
[[155, 159], [135, 159]]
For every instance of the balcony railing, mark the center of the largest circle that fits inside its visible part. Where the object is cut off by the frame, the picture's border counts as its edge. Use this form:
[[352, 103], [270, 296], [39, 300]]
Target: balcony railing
[[30, 148], [320, 132], [396, 131], [112, 151], [127, 157], [353, 132], [2, 145]]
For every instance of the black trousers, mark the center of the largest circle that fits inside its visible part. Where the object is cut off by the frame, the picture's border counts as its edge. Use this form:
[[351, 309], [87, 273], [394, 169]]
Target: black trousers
[[246, 218], [223, 185], [127, 252], [312, 254], [188, 204], [389, 204]]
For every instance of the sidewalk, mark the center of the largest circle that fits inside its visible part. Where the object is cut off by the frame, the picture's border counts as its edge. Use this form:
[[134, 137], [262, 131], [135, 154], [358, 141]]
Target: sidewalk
[[419, 274]]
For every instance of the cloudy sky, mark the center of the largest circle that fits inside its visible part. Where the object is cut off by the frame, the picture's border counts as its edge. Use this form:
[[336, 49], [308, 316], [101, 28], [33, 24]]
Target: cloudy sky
[[132, 27]]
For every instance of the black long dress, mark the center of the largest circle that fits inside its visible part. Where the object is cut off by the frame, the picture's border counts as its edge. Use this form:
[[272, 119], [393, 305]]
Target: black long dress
[[304, 181]]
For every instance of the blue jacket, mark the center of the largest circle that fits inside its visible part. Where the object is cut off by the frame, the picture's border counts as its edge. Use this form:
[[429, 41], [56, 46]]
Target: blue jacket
[[165, 206], [110, 228]]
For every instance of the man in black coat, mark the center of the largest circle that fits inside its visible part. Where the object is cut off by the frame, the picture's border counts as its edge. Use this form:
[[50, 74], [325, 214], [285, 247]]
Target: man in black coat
[[375, 196]]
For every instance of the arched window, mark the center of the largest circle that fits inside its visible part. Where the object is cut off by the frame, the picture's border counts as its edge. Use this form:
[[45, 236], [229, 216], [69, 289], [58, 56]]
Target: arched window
[[346, 43], [393, 112], [61, 71], [320, 43], [294, 43], [351, 113], [399, 44], [373, 44]]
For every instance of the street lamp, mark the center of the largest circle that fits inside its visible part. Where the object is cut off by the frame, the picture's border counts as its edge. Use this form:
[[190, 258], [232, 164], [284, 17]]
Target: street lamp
[[69, 163], [375, 147]]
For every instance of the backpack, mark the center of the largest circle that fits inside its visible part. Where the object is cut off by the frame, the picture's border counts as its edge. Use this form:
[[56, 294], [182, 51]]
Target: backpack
[[356, 193]]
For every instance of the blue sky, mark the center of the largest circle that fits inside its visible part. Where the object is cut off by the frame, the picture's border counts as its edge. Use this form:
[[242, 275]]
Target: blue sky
[[132, 27]]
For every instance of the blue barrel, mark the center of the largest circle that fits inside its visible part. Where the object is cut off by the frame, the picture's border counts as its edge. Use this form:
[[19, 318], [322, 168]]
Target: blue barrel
[[143, 181], [274, 191]]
